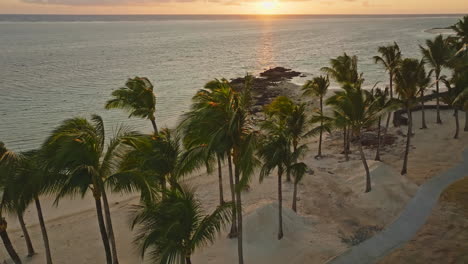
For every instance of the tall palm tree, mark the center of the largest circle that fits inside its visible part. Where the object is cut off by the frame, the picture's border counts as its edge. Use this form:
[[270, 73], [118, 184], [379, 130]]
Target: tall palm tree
[[318, 87], [206, 115], [78, 146], [381, 102], [353, 105], [424, 79], [437, 54], [7, 164], [39, 180], [171, 229], [244, 144], [457, 95], [138, 98], [276, 152], [390, 57], [406, 80], [292, 118]]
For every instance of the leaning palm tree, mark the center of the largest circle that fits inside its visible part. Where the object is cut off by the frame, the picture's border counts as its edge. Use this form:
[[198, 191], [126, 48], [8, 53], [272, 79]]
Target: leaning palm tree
[[353, 105], [7, 165], [36, 179], [78, 147], [318, 87], [437, 54], [13, 200], [137, 97], [406, 80], [172, 229]]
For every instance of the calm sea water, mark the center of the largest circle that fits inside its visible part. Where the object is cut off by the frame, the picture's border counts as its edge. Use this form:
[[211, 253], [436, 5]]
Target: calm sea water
[[58, 67]]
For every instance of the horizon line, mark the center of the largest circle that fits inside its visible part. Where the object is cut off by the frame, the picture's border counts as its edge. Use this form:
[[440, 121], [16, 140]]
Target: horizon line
[[242, 14]]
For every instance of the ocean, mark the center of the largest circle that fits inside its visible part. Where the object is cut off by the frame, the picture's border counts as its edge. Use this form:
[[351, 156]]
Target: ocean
[[54, 67]]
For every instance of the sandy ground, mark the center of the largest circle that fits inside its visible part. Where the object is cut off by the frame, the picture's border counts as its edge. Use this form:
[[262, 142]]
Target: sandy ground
[[332, 205]]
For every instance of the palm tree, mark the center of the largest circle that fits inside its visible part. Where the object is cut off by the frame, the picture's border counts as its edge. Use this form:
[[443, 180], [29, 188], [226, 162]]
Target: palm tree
[[406, 80], [344, 69], [318, 86], [78, 146], [423, 83], [209, 113], [457, 95], [437, 54], [461, 28], [244, 144], [298, 170], [31, 179], [276, 153], [390, 57], [137, 97], [7, 164], [292, 117], [353, 105], [172, 229], [381, 102]]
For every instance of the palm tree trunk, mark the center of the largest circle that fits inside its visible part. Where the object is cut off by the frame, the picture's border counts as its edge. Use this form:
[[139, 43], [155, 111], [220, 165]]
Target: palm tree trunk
[[102, 229], [423, 114], [319, 154], [45, 237], [391, 84], [240, 249], [220, 178], [439, 121], [466, 120], [390, 114], [27, 238], [345, 144], [455, 114], [408, 139], [187, 260], [280, 205], [233, 232], [366, 167], [7, 242], [294, 202], [110, 229], [377, 154], [155, 127]]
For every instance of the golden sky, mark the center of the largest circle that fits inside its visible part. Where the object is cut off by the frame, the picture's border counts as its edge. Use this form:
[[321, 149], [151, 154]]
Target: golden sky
[[232, 6]]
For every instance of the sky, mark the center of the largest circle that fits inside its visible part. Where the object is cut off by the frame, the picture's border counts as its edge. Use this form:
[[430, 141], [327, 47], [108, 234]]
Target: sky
[[233, 6]]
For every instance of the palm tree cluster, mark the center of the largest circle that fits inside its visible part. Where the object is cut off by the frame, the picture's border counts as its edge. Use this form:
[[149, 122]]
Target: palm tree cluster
[[219, 130]]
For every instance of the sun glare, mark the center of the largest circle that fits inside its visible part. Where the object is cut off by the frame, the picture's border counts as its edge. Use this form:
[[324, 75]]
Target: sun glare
[[268, 7]]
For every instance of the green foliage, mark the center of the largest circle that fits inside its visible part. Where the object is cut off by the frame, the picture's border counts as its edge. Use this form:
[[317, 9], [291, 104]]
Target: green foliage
[[171, 229], [318, 86], [344, 69]]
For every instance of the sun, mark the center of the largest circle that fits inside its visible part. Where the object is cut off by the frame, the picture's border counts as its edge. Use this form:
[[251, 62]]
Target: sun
[[268, 7]]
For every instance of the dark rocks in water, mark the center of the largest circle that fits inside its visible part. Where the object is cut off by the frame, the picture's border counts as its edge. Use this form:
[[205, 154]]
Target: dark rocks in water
[[279, 74], [263, 87]]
